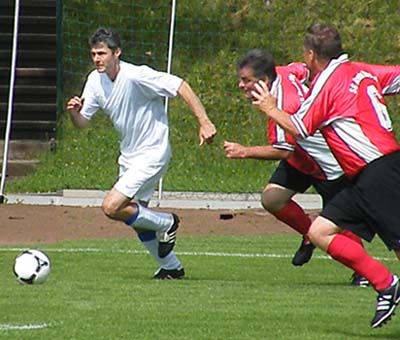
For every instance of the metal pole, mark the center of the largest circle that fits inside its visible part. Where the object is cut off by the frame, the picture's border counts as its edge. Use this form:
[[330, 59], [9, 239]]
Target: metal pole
[[59, 56], [10, 102], [169, 63]]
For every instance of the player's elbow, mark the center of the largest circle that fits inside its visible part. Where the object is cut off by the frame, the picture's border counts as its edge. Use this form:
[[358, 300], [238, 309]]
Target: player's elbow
[[285, 154], [282, 154]]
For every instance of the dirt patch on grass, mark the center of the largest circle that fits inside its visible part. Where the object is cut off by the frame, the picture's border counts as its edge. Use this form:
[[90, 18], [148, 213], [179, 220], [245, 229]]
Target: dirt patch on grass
[[28, 224]]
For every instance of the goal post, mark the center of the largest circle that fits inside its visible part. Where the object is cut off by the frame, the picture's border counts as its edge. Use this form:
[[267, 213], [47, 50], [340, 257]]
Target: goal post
[[169, 65], [10, 101]]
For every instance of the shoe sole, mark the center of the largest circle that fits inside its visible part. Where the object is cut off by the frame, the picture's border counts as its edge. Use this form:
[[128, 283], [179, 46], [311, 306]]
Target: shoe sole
[[169, 277], [166, 275]]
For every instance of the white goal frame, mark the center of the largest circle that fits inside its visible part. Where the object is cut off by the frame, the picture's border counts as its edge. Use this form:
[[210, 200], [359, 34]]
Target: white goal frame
[[169, 65], [10, 101]]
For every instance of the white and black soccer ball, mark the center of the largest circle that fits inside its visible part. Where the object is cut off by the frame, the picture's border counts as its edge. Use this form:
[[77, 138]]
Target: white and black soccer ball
[[32, 266]]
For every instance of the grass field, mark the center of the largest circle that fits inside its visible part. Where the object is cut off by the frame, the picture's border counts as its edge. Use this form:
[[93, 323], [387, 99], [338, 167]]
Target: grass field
[[236, 288]]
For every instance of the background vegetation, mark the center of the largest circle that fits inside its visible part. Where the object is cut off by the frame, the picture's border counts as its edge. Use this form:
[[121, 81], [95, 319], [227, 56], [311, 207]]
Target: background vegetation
[[209, 38]]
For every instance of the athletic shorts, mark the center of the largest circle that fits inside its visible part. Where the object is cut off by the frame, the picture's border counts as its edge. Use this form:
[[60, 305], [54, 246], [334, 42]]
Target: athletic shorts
[[372, 205], [139, 181], [289, 177]]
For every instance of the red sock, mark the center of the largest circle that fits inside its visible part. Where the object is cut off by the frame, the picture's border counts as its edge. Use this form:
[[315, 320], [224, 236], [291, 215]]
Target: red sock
[[354, 256], [294, 216], [352, 236]]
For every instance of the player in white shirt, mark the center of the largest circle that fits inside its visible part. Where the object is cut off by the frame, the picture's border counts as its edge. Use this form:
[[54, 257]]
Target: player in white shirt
[[132, 97]]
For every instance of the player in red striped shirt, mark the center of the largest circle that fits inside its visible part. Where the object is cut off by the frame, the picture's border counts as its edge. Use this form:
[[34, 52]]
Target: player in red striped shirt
[[305, 163], [299, 170], [346, 104]]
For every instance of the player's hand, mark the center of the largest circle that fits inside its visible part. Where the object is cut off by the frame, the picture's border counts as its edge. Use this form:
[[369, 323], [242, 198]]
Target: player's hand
[[207, 132], [263, 99], [234, 150], [75, 104]]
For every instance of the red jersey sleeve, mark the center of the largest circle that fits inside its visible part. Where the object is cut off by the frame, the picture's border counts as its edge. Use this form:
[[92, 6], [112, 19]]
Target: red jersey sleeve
[[388, 77], [299, 70]]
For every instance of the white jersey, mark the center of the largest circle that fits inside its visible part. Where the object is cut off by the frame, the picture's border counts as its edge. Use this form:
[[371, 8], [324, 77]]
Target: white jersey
[[134, 103]]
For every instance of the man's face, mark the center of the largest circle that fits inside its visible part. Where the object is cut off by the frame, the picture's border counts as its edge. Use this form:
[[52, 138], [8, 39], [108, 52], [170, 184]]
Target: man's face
[[105, 59], [247, 81]]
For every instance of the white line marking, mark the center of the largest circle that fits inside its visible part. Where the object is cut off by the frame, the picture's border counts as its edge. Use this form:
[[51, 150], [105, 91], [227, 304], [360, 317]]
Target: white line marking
[[188, 253], [8, 327]]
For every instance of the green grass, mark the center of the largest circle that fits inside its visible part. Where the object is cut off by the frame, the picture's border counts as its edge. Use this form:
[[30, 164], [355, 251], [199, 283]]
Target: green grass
[[104, 290]]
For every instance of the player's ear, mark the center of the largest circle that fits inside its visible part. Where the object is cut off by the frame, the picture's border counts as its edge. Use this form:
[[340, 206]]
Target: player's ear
[[310, 55], [118, 52], [313, 55]]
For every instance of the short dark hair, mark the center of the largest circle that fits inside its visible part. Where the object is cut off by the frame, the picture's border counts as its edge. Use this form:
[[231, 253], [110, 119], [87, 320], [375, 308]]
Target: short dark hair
[[261, 62], [105, 36], [324, 40]]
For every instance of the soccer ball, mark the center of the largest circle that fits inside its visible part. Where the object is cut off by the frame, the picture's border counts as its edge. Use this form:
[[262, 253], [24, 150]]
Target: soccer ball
[[32, 267]]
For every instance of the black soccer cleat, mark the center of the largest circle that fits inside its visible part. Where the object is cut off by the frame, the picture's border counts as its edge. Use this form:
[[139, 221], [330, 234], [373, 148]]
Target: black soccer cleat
[[169, 274], [359, 281], [166, 240], [304, 253], [386, 304]]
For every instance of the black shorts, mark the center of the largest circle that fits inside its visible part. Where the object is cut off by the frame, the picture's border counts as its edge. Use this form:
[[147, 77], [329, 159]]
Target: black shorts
[[372, 205], [289, 177]]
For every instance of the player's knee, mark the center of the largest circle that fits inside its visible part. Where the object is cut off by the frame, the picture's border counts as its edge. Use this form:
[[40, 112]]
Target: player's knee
[[321, 232], [270, 203], [109, 209], [313, 234], [316, 232]]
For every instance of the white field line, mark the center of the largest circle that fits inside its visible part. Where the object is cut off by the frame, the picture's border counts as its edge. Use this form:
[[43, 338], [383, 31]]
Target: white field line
[[9, 327], [187, 253]]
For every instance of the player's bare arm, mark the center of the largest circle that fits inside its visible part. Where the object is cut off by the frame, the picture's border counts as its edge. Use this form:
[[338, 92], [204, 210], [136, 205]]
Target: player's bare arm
[[74, 107], [267, 152], [266, 103], [207, 130]]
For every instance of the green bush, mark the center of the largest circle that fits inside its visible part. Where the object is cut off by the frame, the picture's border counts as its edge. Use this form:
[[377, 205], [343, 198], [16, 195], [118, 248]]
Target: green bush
[[209, 38]]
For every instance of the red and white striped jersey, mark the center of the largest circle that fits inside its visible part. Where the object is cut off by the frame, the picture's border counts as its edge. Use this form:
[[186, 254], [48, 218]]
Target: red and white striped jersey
[[346, 104], [311, 155], [388, 76]]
